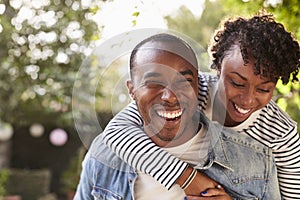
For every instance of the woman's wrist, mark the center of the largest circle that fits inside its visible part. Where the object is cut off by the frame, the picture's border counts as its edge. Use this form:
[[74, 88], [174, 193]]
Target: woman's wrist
[[184, 176]]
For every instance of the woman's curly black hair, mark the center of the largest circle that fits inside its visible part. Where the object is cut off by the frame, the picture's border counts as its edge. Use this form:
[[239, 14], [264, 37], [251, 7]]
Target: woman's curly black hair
[[276, 51]]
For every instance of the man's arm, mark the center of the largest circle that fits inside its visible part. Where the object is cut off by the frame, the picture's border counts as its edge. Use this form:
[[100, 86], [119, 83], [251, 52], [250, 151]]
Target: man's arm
[[85, 186]]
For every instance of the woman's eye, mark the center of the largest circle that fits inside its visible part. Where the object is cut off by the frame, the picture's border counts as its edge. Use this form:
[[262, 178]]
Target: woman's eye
[[263, 90], [237, 84]]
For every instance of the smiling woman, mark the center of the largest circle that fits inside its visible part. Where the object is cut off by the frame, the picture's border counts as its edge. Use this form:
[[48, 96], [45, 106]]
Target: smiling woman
[[240, 92]]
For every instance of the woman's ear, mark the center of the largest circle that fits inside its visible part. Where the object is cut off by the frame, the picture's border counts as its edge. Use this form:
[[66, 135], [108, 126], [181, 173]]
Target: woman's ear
[[130, 88]]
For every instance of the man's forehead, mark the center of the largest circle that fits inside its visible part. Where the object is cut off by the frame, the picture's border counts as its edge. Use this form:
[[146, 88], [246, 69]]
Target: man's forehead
[[175, 48], [155, 70]]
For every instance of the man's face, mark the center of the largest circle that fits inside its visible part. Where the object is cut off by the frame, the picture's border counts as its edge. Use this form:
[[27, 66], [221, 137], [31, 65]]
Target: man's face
[[164, 86], [240, 90]]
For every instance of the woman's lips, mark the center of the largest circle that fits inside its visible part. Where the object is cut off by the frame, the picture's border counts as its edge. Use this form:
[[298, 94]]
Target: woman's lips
[[241, 110]]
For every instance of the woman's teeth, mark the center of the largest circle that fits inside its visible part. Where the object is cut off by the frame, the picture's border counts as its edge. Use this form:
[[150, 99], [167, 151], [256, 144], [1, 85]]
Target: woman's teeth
[[241, 110], [169, 114]]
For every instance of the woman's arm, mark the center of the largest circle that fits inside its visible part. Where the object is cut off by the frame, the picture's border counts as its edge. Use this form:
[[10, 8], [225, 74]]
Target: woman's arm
[[276, 129], [287, 158], [125, 136]]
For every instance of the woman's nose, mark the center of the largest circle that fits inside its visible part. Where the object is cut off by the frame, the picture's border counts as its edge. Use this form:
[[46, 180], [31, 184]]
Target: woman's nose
[[247, 98]]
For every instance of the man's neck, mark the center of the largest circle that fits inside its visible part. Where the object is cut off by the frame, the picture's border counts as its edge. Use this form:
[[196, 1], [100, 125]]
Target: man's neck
[[180, 139]]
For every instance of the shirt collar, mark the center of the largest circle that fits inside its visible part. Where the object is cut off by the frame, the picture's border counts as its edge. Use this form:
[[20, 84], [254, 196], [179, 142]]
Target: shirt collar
[[217, 152]]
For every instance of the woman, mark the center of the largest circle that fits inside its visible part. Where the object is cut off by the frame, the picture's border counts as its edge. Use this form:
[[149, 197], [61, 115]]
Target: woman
[[250, 56]]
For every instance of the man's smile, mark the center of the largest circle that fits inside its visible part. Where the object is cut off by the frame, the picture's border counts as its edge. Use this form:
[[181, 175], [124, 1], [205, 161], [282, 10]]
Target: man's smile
[[170, 115]]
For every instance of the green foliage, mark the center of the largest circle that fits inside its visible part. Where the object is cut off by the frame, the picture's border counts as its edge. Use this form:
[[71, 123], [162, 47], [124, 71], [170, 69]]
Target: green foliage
[[199, 29], [287, 12], [4, 176], [29, 184], [71, 175], [42, 48]]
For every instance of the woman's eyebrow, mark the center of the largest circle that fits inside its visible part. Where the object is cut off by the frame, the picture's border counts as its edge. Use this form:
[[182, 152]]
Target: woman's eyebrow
[[242, 77]]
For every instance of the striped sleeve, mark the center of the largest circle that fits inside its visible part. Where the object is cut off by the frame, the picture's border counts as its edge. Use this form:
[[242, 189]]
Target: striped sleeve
[[125, 137], [205, 84], [277, 130]]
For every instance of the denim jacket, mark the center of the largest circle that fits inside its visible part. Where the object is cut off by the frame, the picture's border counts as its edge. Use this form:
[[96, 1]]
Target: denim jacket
[[244, 167]]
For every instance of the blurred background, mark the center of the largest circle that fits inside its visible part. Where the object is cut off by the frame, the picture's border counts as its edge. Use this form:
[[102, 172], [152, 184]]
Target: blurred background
[[43, 44]]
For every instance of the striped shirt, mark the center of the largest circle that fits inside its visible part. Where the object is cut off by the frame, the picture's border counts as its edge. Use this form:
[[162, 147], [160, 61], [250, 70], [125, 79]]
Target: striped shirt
[[270, 126]]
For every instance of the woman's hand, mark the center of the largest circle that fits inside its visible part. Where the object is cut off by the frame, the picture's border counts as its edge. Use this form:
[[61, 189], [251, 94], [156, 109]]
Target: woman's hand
[[199, 184], [217, 193]]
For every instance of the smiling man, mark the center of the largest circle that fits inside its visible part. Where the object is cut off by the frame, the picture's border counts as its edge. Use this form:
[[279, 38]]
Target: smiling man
[[164, 86]]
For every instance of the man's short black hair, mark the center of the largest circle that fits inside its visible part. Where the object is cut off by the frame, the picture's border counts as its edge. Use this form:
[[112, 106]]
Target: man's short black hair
[[174, 44]]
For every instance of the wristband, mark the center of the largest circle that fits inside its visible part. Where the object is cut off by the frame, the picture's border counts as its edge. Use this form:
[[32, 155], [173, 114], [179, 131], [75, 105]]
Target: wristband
[[189, 179]]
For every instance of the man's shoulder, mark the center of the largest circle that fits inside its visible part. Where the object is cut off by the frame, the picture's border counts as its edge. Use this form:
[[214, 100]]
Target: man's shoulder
[[101, 153], [247, 142], [231, 140]]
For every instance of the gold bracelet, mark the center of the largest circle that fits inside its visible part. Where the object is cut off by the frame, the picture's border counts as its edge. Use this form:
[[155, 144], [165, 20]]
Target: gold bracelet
[[189, 179]]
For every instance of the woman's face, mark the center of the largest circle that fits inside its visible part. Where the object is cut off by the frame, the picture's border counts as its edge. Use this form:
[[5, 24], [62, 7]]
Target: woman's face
[[240, 91]]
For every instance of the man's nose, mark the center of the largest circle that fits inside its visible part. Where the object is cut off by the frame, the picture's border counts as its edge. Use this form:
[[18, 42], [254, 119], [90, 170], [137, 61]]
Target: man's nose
[[168, 95]]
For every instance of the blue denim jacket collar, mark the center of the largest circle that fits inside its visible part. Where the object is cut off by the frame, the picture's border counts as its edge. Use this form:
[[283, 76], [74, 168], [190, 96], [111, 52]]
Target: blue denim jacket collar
[[216, 152]]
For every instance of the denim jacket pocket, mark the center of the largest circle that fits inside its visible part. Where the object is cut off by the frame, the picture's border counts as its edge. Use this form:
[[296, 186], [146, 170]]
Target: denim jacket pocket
[[104, 194]]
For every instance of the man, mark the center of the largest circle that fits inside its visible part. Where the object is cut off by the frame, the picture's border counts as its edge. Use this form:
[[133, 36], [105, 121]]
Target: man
[[164, 85]]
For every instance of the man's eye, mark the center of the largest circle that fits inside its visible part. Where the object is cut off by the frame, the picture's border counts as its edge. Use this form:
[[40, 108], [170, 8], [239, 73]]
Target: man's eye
[[184, 83], [186, 80], [154, 84]]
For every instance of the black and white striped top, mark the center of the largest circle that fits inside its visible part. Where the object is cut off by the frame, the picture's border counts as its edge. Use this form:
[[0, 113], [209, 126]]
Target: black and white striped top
[[270, 126]]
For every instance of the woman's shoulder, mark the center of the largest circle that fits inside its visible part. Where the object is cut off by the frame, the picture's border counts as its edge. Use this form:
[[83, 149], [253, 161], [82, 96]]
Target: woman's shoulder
[[273, 122], [275, 113]]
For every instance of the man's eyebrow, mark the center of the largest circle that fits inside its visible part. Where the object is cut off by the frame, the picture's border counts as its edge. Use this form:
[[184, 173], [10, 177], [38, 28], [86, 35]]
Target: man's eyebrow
[[151, 74], [187, 72]]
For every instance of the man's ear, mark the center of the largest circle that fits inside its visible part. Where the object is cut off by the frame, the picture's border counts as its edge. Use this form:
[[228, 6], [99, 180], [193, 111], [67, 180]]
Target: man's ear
[[219, 67], [130, 88]]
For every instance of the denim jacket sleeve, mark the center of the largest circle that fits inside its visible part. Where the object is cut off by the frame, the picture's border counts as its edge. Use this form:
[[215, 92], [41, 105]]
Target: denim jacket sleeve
[[85, 185]]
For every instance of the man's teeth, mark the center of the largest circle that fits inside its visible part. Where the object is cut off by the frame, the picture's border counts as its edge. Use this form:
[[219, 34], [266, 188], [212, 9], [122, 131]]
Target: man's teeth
[[241, 110], [170, 114]]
